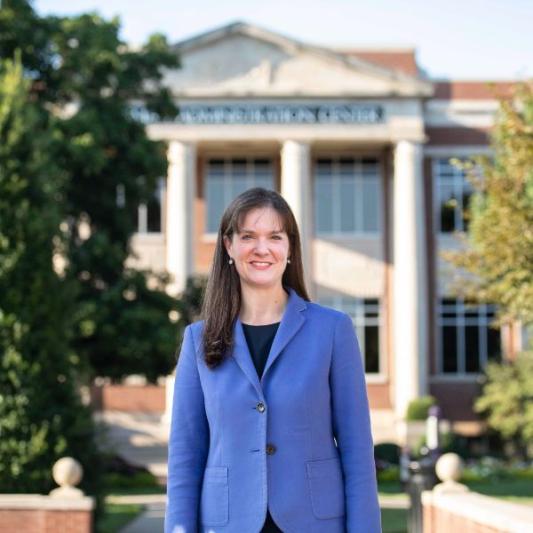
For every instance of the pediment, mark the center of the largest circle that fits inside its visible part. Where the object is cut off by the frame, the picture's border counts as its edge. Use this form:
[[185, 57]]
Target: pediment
[[241, 60]]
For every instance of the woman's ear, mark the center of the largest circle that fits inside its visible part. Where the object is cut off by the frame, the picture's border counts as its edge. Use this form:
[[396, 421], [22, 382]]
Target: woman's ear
[[227, 244]]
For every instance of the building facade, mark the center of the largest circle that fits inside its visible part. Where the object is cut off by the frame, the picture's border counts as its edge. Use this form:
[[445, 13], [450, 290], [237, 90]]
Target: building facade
[[359, 143]]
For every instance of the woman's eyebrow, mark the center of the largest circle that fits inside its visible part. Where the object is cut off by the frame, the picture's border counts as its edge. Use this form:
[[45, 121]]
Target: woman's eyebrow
[[252, 231]]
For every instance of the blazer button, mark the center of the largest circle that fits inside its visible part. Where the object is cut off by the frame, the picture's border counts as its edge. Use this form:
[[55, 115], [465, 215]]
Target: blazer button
[[260, 407], [270, 449]]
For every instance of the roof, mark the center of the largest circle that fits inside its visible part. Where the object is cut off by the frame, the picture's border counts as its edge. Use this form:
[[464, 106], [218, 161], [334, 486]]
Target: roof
[[401, 60], [471, 90]]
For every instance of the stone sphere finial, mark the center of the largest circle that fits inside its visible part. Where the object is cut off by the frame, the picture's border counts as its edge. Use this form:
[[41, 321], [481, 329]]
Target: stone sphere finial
[[67, 473], [449, 468]]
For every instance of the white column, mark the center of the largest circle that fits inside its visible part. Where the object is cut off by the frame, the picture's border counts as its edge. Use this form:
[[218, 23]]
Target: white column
[[296, 189], [410, 283], [166, 417], [181, 192]]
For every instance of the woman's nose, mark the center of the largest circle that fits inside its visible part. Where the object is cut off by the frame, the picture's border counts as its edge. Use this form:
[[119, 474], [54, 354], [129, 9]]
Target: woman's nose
[[261, 246]]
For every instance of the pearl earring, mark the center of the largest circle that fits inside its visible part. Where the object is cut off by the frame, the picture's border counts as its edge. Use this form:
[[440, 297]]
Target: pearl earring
[[230, 261], [288, 260]]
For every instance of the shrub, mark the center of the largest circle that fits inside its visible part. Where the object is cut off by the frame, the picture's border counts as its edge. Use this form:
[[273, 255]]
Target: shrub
[[391, 473], [506, 401], [387, 452], [418, 408]]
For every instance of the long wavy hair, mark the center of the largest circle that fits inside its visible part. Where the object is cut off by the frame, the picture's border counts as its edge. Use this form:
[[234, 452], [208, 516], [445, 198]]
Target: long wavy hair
[[222, 299]]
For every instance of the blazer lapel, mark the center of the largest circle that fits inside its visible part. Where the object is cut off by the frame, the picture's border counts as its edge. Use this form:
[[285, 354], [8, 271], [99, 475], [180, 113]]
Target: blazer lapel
[[242, 356], [291, 321]]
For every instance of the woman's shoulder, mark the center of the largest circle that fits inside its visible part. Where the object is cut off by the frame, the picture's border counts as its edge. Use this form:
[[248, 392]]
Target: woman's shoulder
[[196, 327], [325, 312]]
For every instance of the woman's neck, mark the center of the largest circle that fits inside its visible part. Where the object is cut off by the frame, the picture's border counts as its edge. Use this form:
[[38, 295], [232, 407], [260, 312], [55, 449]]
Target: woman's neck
[[262, 306]]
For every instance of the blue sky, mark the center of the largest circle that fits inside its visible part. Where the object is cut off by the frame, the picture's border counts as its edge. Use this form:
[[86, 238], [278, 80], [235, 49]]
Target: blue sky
[[468, 39]]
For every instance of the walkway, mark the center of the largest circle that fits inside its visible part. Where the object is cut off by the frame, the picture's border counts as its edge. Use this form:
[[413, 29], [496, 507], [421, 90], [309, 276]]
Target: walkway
[[139, 438]]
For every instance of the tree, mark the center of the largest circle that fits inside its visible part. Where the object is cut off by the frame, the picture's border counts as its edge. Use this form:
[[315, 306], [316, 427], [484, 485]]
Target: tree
[[498, 253], [41, 415], [507, 401], [83, 73]]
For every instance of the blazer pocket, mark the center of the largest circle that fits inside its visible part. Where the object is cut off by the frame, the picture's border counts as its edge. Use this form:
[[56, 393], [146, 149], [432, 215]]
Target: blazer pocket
[[326, 486], [214, 501]]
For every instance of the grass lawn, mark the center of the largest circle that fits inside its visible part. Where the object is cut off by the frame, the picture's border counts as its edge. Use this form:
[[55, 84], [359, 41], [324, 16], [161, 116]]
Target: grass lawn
[[128, 491], [390, 488], [117, 516], [394, 520], [515, 490]]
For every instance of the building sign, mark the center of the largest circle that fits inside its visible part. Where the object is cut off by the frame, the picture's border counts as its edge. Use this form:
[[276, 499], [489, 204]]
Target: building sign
[[271, 114]]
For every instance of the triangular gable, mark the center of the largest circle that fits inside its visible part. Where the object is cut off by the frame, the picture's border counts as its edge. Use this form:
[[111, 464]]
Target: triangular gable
[[244, 60]]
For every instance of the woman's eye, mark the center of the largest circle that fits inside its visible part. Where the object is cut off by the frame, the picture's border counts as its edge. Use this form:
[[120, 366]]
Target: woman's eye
[[247, 237]]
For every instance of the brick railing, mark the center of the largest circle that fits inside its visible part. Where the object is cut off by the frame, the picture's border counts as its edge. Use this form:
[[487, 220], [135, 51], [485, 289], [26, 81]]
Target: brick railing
[[471, 512], [35, 513], [65, 510], [451, 506]]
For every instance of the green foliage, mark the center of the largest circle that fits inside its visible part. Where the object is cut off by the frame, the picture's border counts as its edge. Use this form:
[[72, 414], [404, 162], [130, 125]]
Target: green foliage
[[87, 78], [453, 443], [388, 452], [507, 400], [190, 300], [41, 415], [498, 251], [389, 474], [418, 408], [129, 331], [486, 468]]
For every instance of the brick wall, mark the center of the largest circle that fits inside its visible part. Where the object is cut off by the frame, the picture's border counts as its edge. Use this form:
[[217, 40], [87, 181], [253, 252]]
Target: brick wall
[[129, 398], [33, 513], [446, 510], [441, 521]]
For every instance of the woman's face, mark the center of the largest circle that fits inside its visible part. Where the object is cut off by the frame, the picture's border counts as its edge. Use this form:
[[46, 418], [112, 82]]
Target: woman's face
[[261, 249]]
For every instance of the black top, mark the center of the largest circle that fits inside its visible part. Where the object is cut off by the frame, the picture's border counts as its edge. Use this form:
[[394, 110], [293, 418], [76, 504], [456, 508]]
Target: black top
[[259, 340]]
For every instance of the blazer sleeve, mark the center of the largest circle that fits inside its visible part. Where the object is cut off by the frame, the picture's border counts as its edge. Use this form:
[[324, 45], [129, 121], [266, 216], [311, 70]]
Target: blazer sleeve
[[351, 428], [188, 443]]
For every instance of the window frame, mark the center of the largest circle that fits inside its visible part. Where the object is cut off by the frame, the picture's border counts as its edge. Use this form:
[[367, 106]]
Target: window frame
[[359, 321], [142, 210], [227, 157], [336, 233], [458, 211], [484, 317]]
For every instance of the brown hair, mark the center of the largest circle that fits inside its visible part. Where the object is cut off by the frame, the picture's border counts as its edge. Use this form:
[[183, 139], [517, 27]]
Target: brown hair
[[222, 300]]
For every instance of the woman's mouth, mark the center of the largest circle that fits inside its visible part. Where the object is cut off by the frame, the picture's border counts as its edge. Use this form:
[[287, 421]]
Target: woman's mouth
[[260, 265]]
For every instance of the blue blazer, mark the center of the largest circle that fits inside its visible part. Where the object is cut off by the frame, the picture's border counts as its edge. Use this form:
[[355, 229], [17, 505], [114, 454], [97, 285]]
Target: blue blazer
[[298, 440]]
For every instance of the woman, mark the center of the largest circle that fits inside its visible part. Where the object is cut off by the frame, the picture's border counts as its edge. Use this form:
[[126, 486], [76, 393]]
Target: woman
[[270, 425]]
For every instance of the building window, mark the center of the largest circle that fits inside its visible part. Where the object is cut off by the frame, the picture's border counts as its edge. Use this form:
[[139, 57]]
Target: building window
[[466, 339], [453, 191], [366, 317], [229, 177], [347, 195], [149, 215]]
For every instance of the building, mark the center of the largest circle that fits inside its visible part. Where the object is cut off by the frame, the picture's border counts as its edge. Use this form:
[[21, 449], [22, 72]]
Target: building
[[359, 143]]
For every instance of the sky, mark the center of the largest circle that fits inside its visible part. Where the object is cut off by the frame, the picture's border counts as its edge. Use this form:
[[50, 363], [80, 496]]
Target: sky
[[467, 40]]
